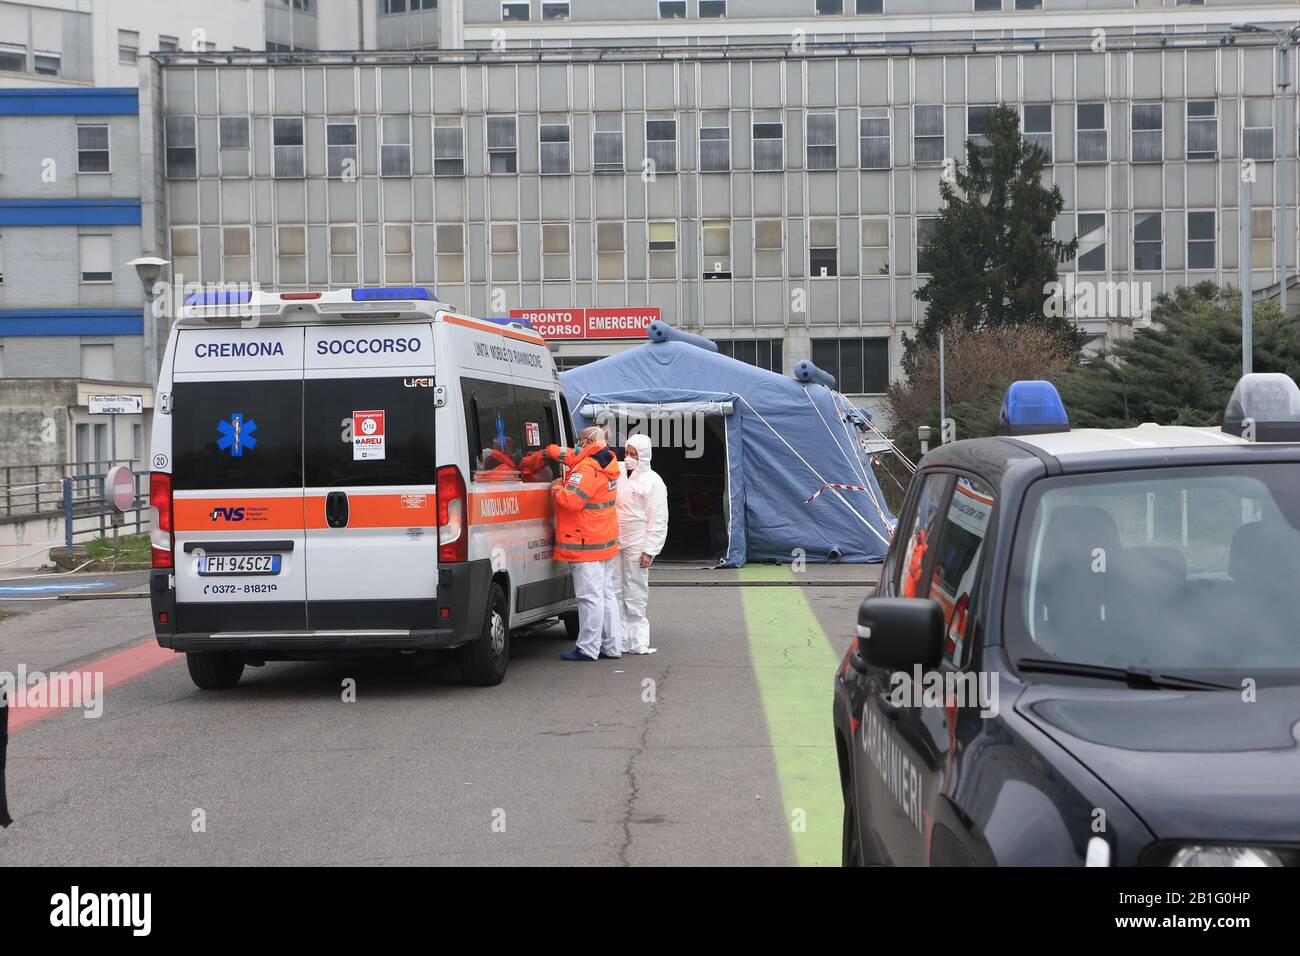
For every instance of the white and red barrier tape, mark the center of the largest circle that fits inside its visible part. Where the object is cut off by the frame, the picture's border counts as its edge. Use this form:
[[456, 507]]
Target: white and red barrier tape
[[833, 484]]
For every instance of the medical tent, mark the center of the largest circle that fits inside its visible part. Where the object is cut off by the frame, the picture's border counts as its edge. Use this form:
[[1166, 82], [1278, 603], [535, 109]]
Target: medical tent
[[793, 475]]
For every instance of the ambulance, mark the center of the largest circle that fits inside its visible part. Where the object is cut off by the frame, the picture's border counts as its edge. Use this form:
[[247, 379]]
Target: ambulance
[[352, 472]]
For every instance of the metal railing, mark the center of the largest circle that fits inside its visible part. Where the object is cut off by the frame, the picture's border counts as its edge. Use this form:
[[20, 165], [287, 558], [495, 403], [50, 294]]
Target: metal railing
[[74, 490]]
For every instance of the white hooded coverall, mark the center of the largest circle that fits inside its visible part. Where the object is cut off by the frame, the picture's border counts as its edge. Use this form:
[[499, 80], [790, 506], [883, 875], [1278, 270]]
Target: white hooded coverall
[[642, 528]]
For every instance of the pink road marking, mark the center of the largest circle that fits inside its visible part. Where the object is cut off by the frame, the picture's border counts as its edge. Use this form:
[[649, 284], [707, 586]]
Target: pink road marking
[[117, 669]]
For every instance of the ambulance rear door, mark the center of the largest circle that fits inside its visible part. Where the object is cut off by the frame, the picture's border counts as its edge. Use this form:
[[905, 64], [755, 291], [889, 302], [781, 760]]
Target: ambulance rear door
[[369, 475]]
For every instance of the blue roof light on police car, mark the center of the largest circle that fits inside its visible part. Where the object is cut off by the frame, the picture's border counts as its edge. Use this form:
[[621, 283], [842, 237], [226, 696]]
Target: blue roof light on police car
[[391, 294], [1032, 407], [1264, 406], [222, 297]]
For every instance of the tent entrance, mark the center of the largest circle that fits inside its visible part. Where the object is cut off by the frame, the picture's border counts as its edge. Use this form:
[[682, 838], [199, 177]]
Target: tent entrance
[[690, 454]]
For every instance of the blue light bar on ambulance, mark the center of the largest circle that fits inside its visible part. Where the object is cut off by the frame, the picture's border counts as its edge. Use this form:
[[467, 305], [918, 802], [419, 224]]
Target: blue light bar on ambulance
[[1032, 407], [1265, 406], [391, 294], [239, 297]]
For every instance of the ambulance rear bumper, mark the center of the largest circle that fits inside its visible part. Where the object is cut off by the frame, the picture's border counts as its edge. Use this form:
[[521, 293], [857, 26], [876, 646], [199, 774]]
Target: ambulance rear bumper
[[455, 617]]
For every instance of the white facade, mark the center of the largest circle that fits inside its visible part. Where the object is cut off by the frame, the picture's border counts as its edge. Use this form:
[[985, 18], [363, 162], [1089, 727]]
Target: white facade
[[155, 24]]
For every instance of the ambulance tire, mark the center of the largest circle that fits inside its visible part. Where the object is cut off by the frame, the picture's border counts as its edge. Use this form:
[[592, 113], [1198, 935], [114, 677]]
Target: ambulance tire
[[214, 670], [570, 625], [483, 661]]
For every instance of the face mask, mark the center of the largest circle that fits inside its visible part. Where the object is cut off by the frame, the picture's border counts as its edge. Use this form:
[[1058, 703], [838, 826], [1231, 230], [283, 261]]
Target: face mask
[[631, 462]]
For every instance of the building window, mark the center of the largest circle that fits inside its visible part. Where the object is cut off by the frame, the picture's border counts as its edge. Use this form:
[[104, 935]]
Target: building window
[[1037, 122], [503, 144], [1148, 241], [715, 143], [395, 146], [661, 145], [398, 261], [1201, 240], [448, 146], [341, 150], [1202, 129], [764, 353], [927, 133], [1090, 132], [236, 254], [713, 9], [1261, 238], [96, 257], [13, 57], [663, 250], [343, 256], [768, 248], [505, 252], [769, 146], [823, 248], [555, 250], [875, 246], [609, 250], [92, 149], [870, 6], [829, 8], [555, 157], [873, 138], [47, 63], [607, 143], [860, 366], [926, 227], [717, 249], [555, 11], [1148, 132], [291, 254], [184, 249], [672, 9], [822, 137], [179, 144], [168, 44], [1029, 4], [287, 159], [977, 124], [137, 443], [450, 253], [233, 145], [986, 6], [1257, 130], [514, 10], [128, 47], [1092, 242]]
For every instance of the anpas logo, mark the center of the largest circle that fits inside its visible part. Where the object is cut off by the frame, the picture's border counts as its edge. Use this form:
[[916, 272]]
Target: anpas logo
[[229, 514]]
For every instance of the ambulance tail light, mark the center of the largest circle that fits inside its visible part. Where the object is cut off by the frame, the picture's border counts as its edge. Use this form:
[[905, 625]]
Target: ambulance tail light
[[162, 541], [453, 515]]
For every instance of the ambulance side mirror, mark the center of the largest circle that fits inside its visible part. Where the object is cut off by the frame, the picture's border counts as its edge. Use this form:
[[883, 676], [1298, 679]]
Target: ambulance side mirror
[[899, 633]]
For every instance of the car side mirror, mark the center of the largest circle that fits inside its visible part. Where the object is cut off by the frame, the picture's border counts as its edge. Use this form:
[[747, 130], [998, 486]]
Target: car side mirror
[[900, 633]]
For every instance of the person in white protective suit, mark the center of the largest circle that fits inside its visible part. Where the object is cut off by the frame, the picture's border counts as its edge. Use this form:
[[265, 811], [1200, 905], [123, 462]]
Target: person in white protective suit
[[642, 529]]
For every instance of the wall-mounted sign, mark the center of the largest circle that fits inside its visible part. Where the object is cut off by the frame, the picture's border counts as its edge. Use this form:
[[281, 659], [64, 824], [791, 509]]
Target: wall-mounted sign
[[115, 404], [628, 322]]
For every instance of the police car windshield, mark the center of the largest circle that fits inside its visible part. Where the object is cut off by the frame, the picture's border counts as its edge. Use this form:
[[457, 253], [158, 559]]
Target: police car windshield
[[1170, 569]]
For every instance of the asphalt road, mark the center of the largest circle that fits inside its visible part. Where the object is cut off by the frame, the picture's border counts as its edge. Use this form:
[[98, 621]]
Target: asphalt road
[[716, 750]]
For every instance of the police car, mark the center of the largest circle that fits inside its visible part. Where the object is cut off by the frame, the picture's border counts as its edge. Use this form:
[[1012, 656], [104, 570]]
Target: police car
[[1084, 649], [353, 471]]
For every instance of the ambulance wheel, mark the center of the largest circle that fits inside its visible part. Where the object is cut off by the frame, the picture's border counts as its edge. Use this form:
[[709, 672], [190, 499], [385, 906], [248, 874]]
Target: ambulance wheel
[[483, 661], [570, 624], [214, 670]]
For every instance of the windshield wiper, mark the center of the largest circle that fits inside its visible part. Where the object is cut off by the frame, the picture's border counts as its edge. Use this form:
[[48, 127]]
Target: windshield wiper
[[1139, 677]]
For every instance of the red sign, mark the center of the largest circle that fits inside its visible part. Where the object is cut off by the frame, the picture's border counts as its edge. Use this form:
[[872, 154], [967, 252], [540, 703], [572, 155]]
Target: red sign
[[368, 435], [621, 323]]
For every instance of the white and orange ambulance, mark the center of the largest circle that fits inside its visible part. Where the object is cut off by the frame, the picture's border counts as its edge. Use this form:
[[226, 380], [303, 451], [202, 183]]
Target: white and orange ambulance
[[352, 471]]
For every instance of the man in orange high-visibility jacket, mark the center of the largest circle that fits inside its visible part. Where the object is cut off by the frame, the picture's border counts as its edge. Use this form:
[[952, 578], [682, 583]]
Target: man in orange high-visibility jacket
[[586, 535]]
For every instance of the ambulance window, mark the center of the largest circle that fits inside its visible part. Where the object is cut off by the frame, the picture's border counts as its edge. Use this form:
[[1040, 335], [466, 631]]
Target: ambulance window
[[919, 533], [957, 560], [567, 418], [237, 435], [537, 425], [392, 417], [492, 424]]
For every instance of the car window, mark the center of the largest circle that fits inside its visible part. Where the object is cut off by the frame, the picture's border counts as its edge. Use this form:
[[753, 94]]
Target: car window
[[237, 434], [492, 425], [919, 533], [537, 426], [1170, 569], [958, 547], [399, 412]]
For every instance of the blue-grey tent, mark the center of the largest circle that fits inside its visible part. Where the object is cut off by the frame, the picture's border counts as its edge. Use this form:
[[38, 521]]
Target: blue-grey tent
[[797, 474]]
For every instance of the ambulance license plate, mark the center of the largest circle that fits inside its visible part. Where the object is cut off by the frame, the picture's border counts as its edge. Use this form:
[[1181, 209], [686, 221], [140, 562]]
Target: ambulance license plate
[[239, 564]]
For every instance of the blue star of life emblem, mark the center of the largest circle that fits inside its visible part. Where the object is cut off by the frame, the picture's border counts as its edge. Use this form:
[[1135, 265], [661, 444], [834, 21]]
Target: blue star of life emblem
[[236, 434]]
